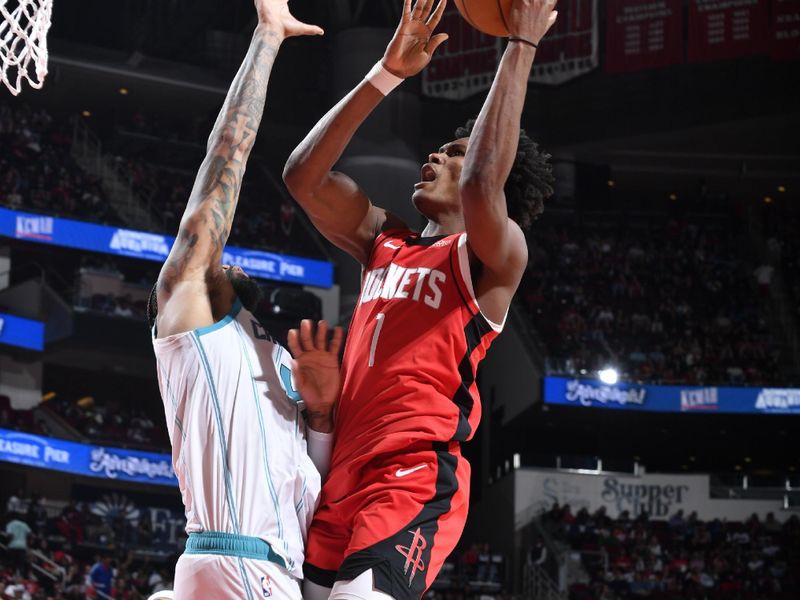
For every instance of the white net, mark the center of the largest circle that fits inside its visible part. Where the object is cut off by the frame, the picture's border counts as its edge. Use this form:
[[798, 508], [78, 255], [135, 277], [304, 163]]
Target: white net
[[23, 42]]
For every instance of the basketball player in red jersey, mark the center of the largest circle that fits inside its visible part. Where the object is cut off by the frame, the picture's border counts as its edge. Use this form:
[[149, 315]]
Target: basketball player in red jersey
[[395, 502]]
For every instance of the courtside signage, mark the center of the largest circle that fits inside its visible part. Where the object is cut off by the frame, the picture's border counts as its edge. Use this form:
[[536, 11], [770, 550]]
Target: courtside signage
[[84, 459], [145, 245], [591, 393], [21, 333]]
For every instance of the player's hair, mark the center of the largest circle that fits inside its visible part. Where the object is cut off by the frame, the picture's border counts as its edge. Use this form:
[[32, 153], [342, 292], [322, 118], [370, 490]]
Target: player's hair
[[152, 307], [530, 182], [246, 289]]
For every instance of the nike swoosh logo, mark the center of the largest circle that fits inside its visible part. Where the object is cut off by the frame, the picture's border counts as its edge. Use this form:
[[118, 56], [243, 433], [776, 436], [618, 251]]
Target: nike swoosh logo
[[404, 472], [392, 246]]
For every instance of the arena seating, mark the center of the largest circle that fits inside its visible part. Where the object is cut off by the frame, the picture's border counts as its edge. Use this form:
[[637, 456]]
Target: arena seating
[[38, 173], [680, 558], [663, 301], [67, 540]]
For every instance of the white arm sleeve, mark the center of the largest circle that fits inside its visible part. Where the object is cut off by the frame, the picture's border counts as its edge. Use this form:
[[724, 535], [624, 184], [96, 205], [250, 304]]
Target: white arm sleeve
[[320, 446]]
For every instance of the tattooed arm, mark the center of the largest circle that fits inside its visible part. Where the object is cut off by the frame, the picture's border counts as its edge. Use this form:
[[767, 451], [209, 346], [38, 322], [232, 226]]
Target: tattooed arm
[[192, 289]]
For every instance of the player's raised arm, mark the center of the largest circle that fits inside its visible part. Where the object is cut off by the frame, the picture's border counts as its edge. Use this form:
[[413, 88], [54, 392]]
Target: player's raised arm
[[192, 270], [496, 240], [337, 206]]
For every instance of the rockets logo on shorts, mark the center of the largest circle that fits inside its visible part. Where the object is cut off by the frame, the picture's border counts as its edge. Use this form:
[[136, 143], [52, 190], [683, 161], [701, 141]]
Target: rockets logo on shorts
[[413, 555]]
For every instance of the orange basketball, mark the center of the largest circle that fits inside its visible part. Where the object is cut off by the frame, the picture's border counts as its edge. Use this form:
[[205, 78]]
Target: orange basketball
[[488, 16]]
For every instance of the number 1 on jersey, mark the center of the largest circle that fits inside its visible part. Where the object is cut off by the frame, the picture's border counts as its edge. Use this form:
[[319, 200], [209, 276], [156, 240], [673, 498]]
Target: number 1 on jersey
[[374, 345]]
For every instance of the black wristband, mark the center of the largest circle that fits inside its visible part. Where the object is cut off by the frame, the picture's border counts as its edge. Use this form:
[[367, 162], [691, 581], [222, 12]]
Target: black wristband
[[523, 41]]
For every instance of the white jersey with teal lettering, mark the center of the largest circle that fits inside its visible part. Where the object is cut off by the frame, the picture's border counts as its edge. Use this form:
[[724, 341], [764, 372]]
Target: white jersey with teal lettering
[[238, 438]]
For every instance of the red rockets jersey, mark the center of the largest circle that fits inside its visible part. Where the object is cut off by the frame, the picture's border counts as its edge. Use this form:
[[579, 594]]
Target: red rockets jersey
[[414, 344]]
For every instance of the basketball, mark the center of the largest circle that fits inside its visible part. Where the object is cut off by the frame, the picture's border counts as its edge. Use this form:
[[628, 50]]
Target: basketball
[[488, 16]]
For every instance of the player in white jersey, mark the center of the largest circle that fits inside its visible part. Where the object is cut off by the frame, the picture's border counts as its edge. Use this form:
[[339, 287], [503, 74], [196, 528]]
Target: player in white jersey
[[234, 418]]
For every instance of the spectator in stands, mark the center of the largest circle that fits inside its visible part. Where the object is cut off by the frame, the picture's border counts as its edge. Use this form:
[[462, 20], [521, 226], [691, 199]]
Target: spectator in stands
[[17, 592], [16, 503], [71, 525], [538, 552], [37, 515], [101, 575], [677, 522], [18, 534]]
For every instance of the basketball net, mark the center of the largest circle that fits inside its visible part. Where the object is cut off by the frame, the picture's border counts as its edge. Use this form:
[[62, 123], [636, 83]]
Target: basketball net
[[23, 39]]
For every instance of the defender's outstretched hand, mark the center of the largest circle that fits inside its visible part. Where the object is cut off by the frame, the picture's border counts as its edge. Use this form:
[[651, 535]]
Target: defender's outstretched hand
[[276, 13], [316, 371], [532, 19], [413, 43]]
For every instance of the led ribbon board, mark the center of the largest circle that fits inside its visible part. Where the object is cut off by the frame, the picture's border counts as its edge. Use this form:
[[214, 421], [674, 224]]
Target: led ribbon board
[[155, 247], [21, 333], [84, 459], [670, 398]]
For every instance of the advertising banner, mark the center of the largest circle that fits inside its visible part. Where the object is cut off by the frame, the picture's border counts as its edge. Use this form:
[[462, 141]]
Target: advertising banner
[[643, 34], [21, 333], [155, 247], [671, 398], [85, 459], [721, 29], [785, 43], [570, 48], [465, 64], [660, 496]]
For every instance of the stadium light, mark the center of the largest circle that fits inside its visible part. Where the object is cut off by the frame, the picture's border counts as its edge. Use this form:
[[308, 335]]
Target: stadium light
[[608, 376]]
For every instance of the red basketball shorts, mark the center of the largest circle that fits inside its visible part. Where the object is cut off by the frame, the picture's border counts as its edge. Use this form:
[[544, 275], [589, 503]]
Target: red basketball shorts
[[399, 514]]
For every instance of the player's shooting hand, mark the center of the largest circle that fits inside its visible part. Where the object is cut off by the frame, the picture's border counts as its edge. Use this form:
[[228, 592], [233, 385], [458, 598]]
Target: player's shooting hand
[[275, 13], [316, 371], [414, 43], [531, 19]]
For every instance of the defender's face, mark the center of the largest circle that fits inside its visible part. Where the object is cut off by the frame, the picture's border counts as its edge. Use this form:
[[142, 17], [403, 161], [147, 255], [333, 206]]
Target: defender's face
[[438, 185]]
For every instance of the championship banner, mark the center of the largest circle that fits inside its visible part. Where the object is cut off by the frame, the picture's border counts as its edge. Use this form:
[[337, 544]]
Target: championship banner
[[85, 459], [785, 43], [590, 393], [570, 48], [643, 34], [465, 64], [144, 245], [722, 29]]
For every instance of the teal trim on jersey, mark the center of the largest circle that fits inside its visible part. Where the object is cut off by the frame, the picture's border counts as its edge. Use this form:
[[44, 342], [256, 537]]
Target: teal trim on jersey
[[223, 442], [264, 450], [232, 314], [244, 579], [286, 379], [229, 544]]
